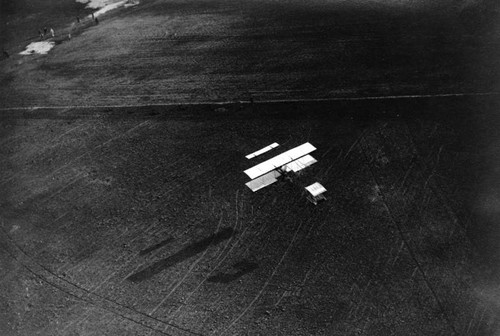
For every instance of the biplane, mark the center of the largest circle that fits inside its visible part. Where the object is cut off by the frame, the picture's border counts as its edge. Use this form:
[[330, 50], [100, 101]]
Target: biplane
[[283, 165]]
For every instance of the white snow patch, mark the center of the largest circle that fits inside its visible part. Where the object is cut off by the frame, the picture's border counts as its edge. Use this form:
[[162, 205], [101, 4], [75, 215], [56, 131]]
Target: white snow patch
[[131, 3], [38, 48], [95, 4], [109, 7]]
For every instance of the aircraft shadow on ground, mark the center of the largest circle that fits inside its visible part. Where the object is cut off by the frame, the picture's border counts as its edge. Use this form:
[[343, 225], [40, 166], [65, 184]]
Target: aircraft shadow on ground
[[156, 246], [243, 268], [184, 254]]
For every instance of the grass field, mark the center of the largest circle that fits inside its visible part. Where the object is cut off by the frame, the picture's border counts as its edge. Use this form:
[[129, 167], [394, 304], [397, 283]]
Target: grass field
[[124, 211]]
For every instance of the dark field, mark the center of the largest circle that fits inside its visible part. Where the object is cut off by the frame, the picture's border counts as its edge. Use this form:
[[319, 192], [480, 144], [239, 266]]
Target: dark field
[[123, 215], [208, 50]]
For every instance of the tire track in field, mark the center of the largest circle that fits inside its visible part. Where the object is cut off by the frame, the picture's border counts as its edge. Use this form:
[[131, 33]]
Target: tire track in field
[[311, 268], [219, 261], [262, 101], [38, 154], [251, 243], [130, 260], [126, 232], [417, 159], [177, 188], [193, 265], [103, 249], [433, 188], [240, 238], [409, 249], [58, 191], [223, 254], [109, 277], [54, 142], [82, 294], [437, 190], [86, 152], [275, 270]]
